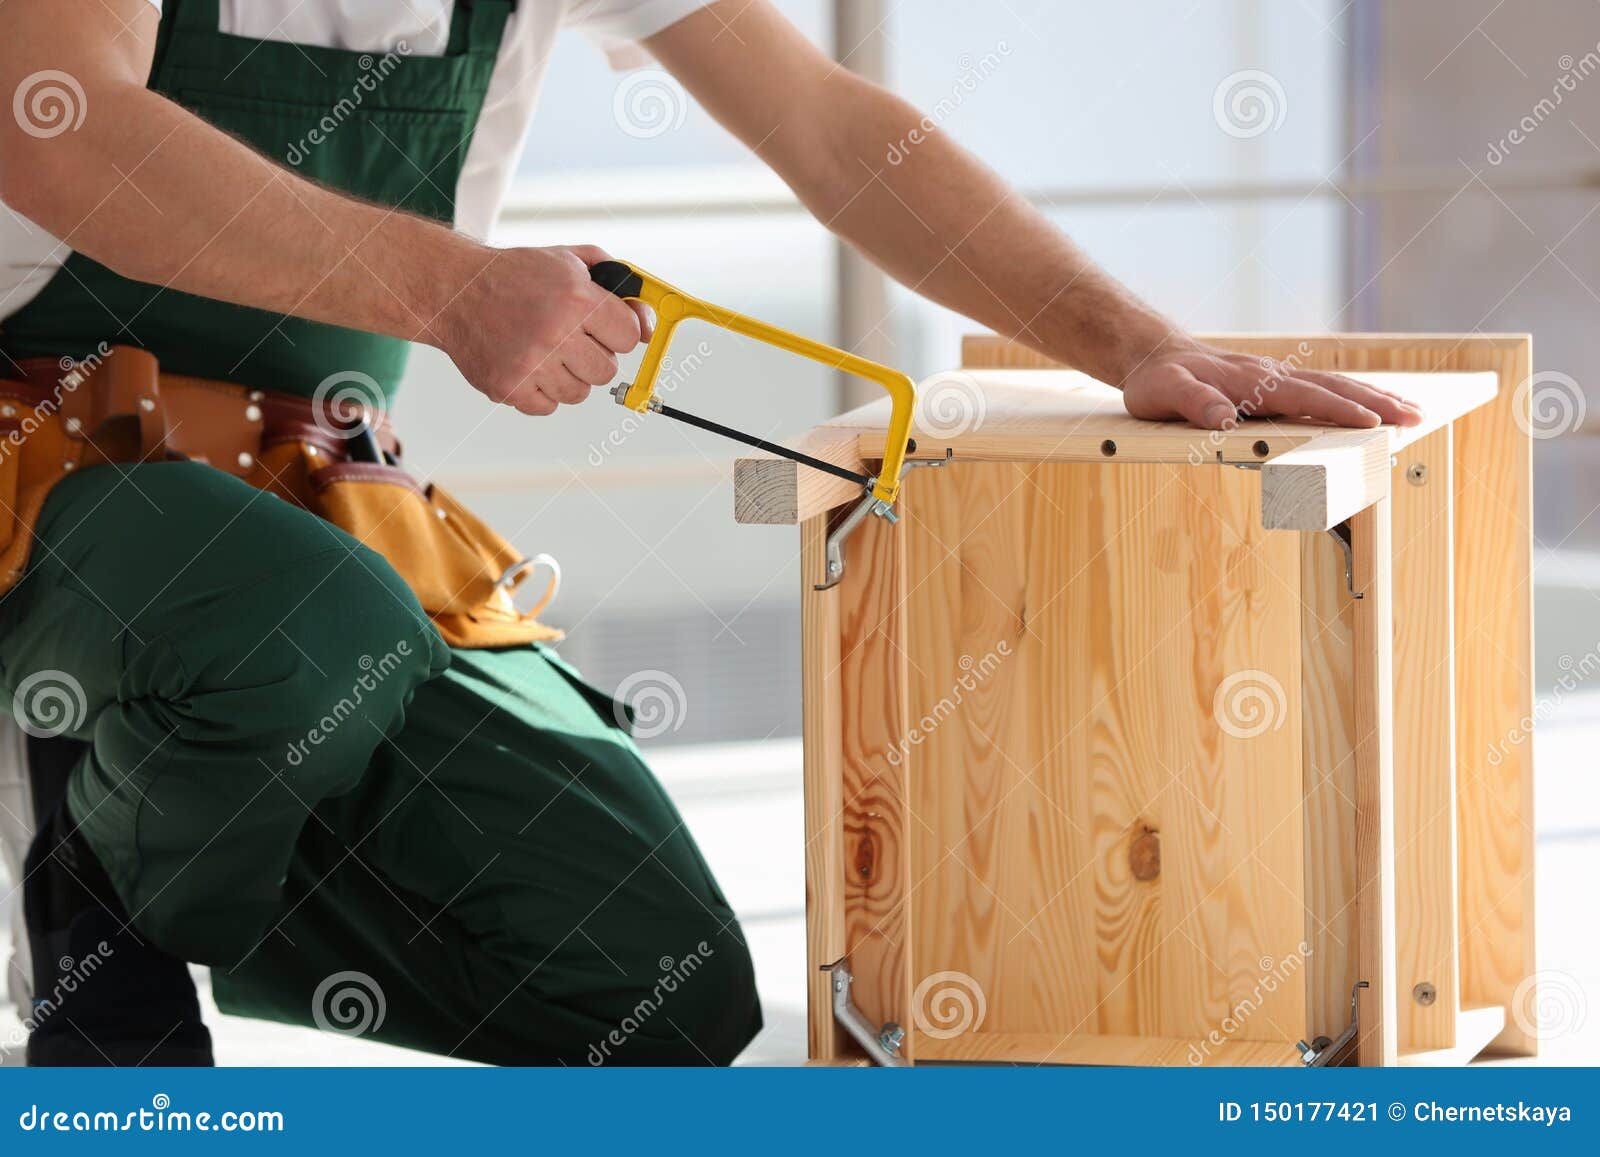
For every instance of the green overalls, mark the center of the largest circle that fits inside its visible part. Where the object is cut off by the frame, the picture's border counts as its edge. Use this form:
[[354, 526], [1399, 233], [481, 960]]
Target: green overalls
[[288, 775]]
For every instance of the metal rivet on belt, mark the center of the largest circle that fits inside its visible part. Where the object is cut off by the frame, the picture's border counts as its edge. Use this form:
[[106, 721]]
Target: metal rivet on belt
[[147, 404], [73, 425], [255, 395], [68, 465], [245, 460], [8, 411], [252, 413]]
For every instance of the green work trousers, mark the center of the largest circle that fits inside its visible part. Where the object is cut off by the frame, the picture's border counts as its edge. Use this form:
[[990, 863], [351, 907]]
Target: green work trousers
[[290, 778]]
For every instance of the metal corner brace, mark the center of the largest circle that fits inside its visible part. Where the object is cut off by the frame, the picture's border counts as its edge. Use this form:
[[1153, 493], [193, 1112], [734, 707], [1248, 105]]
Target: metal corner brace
[[1322, 1052], [834, 554], [1342, 535], [882, 1045]]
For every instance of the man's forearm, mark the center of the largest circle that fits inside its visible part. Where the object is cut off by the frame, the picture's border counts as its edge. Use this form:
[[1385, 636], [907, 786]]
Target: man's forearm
[[1004, 263], [952, 230], [156, 194]]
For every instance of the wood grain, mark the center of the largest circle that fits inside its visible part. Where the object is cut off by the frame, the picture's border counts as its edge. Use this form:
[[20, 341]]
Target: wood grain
[[1494, 629], [1024, 1048], [1321, 483], [1061, 415], [1475, 1029], [1328, 769], [771, 490], [1493, 466], [1106, 869], [1104, 608], [1373, 669], [824, 794], [872, 682], [1424, 745]]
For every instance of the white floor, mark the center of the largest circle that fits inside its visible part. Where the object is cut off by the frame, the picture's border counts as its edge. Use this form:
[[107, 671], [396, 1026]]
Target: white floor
[[743, 802]]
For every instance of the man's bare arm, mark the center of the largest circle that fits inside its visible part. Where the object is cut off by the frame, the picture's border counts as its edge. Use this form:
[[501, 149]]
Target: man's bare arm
[[156, 194], [947, 226]]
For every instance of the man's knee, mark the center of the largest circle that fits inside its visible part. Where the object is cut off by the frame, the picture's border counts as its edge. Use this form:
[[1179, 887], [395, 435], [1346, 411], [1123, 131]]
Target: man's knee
[[256, 624], [327, 658], [281, 696], [698, 1008]]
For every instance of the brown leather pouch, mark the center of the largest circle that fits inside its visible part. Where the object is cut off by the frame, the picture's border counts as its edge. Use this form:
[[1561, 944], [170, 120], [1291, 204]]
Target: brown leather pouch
[[36, 452], [62, 415]]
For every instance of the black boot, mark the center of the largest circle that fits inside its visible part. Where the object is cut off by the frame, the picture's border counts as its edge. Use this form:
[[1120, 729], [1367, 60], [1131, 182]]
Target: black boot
[[101, 995]]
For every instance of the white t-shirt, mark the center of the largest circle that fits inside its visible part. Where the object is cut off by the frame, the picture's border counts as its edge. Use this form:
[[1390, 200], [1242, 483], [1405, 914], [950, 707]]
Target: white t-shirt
[[29, 256]]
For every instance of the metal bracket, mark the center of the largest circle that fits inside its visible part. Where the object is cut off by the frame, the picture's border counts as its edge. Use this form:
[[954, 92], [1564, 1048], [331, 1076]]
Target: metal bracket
[[882, 1045], [1322, 1052], [834, 554], [1341, 535]]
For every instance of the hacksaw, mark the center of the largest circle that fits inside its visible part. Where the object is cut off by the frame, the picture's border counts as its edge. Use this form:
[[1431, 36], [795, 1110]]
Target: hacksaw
[[673, 306]]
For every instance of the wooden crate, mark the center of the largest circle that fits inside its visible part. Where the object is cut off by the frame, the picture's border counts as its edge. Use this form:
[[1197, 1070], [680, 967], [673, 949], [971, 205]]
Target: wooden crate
[[1105, 763]]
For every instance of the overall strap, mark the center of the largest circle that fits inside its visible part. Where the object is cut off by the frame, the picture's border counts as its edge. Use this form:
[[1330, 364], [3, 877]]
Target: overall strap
[[478, 26], [199, 15], [186, 15]]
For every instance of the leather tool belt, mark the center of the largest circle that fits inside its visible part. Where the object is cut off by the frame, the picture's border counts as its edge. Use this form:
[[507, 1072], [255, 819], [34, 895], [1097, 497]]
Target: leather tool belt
[[334, 458]]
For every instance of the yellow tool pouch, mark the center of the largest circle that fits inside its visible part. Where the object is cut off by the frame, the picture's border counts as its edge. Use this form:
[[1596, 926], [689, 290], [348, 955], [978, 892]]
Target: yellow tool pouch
[[463, 573]]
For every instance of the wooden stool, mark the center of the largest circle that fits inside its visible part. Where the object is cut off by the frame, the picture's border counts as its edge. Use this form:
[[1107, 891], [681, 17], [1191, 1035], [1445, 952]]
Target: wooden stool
[[1137, 744]]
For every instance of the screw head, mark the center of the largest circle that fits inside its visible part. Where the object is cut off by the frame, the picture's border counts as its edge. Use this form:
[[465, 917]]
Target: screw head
[[1424, 993], [1417, 474], [891, 1037]]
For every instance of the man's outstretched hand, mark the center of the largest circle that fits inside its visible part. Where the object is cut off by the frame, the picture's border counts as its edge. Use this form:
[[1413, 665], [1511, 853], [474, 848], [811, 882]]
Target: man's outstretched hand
[[1212, 388]]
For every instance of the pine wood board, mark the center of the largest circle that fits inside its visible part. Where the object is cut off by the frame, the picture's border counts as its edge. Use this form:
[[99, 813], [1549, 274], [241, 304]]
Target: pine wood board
[[872, 681], [824, 795], [1323, 482], [1328, 768], [1426, 921], [1316, 475], [1474, 1029], [1493, 797], [1493, 486], [1126, 596], [1024, 1048], [1045, 414], [769, 489], [1373, 665]]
